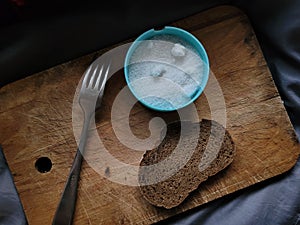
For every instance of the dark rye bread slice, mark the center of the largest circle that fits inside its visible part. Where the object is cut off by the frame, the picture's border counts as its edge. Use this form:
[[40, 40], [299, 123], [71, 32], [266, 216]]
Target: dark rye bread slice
[[189, 172]]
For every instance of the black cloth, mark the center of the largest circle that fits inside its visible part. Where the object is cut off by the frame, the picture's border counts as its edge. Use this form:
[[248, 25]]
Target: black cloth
[[37, 41], [11, 210]]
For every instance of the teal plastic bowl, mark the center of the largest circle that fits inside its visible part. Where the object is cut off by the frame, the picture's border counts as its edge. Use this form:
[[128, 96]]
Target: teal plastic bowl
[[179, 34]]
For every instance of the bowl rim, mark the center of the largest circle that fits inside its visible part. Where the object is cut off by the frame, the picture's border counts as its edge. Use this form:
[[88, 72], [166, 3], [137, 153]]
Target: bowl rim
[[186, 36]]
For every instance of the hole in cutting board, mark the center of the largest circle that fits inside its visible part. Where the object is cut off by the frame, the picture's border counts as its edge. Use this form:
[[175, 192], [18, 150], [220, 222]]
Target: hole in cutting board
[[43, 164]]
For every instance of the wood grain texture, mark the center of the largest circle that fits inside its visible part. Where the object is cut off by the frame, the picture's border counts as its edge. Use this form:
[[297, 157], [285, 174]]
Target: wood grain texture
[[36, 121]]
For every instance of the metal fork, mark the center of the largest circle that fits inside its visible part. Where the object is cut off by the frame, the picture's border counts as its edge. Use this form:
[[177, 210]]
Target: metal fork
[[90, 97]]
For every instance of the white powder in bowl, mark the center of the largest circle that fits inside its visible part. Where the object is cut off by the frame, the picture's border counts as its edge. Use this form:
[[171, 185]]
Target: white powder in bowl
[[165, 72], [178, 50]]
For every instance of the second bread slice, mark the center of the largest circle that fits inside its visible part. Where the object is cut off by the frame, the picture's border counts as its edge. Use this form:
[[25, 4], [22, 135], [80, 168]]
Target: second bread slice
[[214, 151]]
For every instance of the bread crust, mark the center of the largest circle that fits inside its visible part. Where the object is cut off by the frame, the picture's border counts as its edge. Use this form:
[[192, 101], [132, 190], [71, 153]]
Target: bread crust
[[214, 152]]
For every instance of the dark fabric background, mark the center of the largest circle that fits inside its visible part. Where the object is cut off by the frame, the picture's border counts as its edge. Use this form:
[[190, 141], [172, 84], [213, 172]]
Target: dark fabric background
[[36, 36], [11, 211]]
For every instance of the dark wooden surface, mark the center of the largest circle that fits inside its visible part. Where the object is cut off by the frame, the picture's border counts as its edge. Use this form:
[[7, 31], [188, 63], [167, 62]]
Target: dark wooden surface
[[36, 121]]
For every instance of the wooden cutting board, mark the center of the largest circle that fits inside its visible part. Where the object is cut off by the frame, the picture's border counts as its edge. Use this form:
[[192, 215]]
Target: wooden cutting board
[[36, 121]]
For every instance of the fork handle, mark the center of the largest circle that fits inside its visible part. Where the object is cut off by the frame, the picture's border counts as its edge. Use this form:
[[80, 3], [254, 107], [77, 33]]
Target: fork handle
[[66, 208]]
